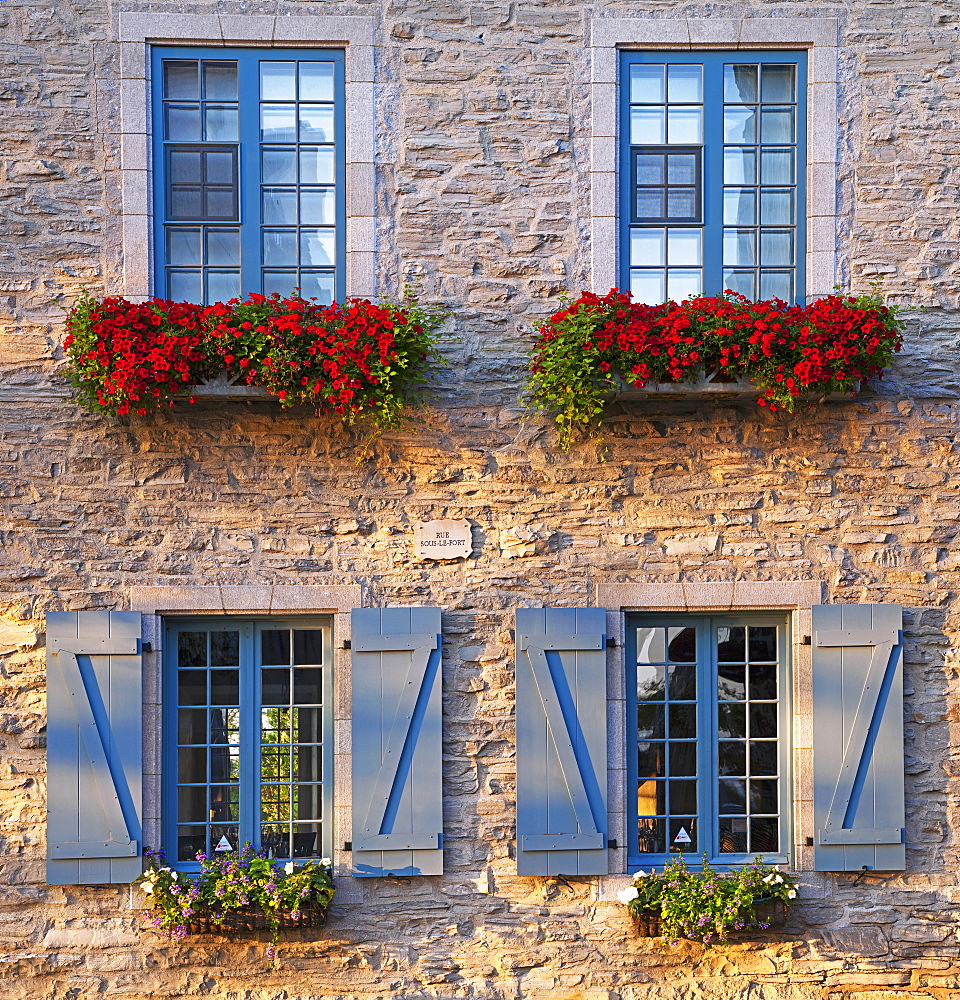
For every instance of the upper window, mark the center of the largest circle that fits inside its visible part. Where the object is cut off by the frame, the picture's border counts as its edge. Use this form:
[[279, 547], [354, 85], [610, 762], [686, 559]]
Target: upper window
[[710, 760], [712, 174], [247, 749], [249, 173]]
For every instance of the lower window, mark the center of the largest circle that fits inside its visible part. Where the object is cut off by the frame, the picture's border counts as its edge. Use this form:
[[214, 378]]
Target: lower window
[[247, 748], [710, 761]]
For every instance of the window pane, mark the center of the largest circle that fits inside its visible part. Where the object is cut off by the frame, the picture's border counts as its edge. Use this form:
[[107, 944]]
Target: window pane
[[683, 683], [740, 166], [681, 203], [220, 124], [192, 769], [275, 647], [223, 247], [191, 840], [682, 168], [650, 686], [739, 247], [181, 80], [739, 125], [306, 801], [764, 836], [278, 123], [650, 203], [646, 84], [308, 686], [192, 804], [740, 84], [316, 81], [732, 796], [192, 725], [732, 721], [650, 760], [652, 836], [685, 125], [777, 125], [776, 285], [316, 123], [183, 247], [278, 81], [219, 167], [307, 646], [684, 284], [732, 757], [648, 286], [192, 687], [307, 725], [685, 84], [185, 166], [279, 166], [224, 687], [183, 123], [185, 286], [647, 126], [763, 681], [731, 644], [683, 759], [731, 682], [776, 246], [281, 282], [224, 649], [779, 83], [776, 208], [683, 721], [763, 758], [275, 686], [763, 644], [317, 207], [279, 206], [763, 720], [316, 165], [220, 81], [763, 796], [306, 840], [317, 285], [650, 721], [279, 246], [220, 204], [776, 166], [733, 836], [652, 798], [317, 246], [224, 803], [741, 282], [647, 248], [650, 168], [683, 834], [740, 207], [683, 797]]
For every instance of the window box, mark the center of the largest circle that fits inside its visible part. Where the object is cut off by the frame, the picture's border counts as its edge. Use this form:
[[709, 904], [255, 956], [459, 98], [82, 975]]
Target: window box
[[254, 920], [224, 386], [770, 912], [713, 385]]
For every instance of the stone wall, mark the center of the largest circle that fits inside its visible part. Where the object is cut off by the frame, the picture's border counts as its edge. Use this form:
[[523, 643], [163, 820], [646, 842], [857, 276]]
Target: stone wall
[[482, 190]]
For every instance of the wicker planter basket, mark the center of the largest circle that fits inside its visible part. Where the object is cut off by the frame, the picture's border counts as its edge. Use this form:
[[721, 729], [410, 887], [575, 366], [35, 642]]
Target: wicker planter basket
[[253, 920], [773, 912]]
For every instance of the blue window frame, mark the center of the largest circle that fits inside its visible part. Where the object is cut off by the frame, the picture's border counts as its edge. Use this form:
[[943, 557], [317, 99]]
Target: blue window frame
[[712, 172], [247, 737], [709, 701], [249, 192]]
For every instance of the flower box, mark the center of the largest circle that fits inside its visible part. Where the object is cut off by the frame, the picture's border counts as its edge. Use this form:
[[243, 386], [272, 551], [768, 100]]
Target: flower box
[[772, 912], [224, 386], [715, 385], [254, 919]]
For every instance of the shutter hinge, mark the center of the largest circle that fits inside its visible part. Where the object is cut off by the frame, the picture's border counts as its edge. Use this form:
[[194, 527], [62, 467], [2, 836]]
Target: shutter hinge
[[146, 647], [611, 642], [613, 845], [346, 644], [348, 845], [807, 640], [809, 841]]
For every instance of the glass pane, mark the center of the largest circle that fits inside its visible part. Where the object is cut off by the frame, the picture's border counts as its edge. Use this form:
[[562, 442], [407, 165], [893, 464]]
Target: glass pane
[[683, 834], [763, 720], [739, 125], [275, 725], [683, 760], [316, 165], [762, 644], [776, 285], [651, 798], [731, 682], [740, 84], [279, 206], [192, 769], [279, 166], [307, 646], [681, 203], [739, 247], [650, 721], [732, 796], [732, 644], [224, 687], [306, 801], [307, 725], [224, 801], [223, 247], [648, 286], [683, 721], [763, 796], [650, 686], [183, 247], [647, 248], [763, 681], [732, 757], [739, 166], [224, 649], [685, 84], [275, 686], [318, 207], [275, 840], [316, 123], [278, 81], [650, 760], [306, 840], [652, 836], [732, 721], [650, 203], [278, 123], [222, 286], [275, 647], [316, 81], [221, 124], [779, 84], [651, 645], [764, 836], [776, 207], [281, 282], [192, 725], [185, 286], [183, 123], [733, 836], [646, 84], [776, 166], [777, 125], [219, 167], [740, 207], [682, 168], [219, 203], [647, 126], [192, 804], [650, 168], [308, 686], [192, 687], [274, 759], [685, 125], [741, 282], [185, 166], [318, 285], [763, 758], [181, 79], [317, 246], [684, 284], [275, 802], [191, 840], [280, 246], [776, 247], [683, 797], [224, 763], [683, 683], [220, 81]]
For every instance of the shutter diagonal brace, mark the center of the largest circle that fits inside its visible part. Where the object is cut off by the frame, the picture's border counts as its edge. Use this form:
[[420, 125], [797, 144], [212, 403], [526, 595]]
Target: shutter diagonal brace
[[400, 745], [887, 647], [115, 844], [573, 754]]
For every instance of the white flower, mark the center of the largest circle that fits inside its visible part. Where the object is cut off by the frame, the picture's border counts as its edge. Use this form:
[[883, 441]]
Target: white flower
[[778, 879], [146, 887], [792, 894], [768, 878], [640, 875], [625, 895], [325, 861], [174, 875], [288, 867]]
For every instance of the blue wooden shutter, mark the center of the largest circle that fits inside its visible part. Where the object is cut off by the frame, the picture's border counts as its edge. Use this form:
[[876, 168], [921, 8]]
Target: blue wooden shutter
[[561, 741], [397, 765], [94, 747], [859, 812]]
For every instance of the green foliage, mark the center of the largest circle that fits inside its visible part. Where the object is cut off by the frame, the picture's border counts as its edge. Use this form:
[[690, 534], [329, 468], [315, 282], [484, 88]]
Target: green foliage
[[706, 906]]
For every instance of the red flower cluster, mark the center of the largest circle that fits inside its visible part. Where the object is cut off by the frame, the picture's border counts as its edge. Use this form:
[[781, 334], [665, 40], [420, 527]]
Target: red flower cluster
[[355, 359], [598, 342]]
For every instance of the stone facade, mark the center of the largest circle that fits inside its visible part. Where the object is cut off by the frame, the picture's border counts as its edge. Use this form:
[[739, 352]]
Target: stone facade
[[483, 191]]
